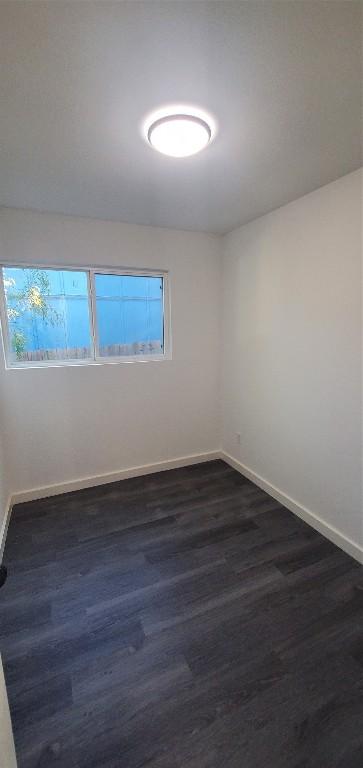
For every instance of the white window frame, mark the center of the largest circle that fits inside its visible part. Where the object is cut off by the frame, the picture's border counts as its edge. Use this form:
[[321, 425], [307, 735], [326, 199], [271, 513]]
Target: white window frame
[[96, 358]]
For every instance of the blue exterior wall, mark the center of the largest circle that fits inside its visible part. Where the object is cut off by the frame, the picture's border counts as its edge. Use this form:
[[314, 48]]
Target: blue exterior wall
[[129, 309]]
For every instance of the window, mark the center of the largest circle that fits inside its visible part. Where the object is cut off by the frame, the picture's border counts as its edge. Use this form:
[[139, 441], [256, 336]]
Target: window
[[48, 315], [129, 312], [55, 316]]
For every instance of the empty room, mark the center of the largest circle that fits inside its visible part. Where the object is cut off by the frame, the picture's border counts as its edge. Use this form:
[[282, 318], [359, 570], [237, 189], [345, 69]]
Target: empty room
[[181, 511]]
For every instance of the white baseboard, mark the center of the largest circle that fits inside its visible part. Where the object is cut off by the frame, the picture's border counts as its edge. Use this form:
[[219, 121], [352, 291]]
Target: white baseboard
[[327, 530], [4, 527], [111, 477]]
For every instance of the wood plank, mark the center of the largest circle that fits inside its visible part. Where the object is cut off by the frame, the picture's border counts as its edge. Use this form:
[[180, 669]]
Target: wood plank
[[180, 620]]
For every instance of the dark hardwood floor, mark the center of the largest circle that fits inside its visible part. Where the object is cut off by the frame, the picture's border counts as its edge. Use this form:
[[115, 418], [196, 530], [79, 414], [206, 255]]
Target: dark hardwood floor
[[180, 620]]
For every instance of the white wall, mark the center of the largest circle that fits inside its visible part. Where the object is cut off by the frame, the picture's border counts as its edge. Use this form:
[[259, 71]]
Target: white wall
[[4, 473], [8, 758], [67, 423], [4, 495], [292, 351]]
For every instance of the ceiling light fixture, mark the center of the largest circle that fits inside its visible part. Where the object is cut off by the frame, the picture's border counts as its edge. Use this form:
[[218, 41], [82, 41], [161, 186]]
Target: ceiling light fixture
[[179, 135]]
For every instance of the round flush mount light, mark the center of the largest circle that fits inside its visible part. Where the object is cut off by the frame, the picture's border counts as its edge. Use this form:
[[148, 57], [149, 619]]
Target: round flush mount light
[[179, 134]]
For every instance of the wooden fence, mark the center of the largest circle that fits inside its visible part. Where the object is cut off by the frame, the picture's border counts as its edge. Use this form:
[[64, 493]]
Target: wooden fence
[[83, 353]]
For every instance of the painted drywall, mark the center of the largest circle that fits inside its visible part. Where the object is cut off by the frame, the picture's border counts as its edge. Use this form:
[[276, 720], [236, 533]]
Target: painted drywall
[[66, 423], [291, 335], [8, 759], [4, 490], [4, 472]]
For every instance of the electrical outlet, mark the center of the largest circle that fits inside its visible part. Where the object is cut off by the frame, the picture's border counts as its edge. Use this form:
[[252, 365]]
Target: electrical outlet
[[238, 438]]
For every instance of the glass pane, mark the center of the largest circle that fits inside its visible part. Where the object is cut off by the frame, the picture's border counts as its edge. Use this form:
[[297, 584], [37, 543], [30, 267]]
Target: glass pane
[[130, 317], [48, 314]]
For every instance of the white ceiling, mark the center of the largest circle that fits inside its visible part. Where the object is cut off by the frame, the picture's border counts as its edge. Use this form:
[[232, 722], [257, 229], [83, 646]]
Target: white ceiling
[[283, 80]]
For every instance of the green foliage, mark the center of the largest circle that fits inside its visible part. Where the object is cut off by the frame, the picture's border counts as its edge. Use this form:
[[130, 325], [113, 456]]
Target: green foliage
[[32, 297], [18, 341]]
